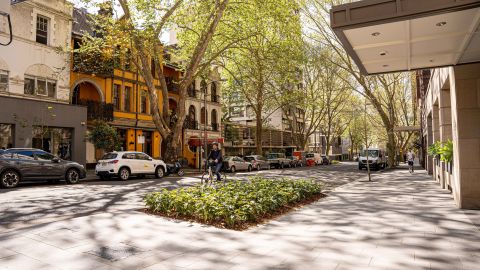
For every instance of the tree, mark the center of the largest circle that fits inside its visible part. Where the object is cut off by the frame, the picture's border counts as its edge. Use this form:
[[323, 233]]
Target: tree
[[138, 33], [380, 90], [254, 65], [103, 136]]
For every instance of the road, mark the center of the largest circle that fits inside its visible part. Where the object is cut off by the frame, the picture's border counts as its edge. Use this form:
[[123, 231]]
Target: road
[[34, 204]]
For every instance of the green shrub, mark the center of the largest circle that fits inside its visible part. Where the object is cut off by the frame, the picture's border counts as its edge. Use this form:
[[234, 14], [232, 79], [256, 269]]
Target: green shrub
[[335, 161], [446, 151], [433, 150], [234, 203]]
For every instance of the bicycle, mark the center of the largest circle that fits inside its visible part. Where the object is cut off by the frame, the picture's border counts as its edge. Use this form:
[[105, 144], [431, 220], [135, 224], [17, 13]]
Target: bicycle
[[208, 176], [410, 166]]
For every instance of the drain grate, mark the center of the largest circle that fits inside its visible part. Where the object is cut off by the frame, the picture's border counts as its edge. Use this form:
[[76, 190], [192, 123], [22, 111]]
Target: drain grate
[[115, 253]]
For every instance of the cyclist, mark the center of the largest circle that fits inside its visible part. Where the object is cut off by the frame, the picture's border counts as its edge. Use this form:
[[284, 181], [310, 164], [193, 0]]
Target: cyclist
[[216, 160], [410, 160]]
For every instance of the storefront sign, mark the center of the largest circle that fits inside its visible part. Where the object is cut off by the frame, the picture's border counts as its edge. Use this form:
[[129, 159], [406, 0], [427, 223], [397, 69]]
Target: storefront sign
[[141, 139]]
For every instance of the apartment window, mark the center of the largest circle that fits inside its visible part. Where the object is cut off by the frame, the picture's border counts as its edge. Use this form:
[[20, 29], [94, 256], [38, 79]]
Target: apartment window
[[143, 102], [3, 80], [39, 86], [116, 97], [126, 98], [42, 29], [128, 60]]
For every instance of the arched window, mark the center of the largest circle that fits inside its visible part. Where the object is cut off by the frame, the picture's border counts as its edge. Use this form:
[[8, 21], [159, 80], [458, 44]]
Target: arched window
[[213, 91], [203, 116], [191, 113], [215, 126], [203, 86]]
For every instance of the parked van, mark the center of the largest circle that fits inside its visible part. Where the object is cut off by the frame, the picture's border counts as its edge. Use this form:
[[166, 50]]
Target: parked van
[[376, 159], [301, 156]]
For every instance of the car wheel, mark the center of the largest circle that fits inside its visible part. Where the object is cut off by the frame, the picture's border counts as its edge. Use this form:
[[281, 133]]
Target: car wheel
[[360, 168], [159, 172], [232, 169], [72, 176], [124, 174], [249, 168], [282, 166], [10, 179]]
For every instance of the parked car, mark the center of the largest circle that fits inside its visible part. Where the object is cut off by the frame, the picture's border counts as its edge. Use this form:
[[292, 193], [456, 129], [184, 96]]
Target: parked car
[[294, 162], [19, 164], [234, 163], [278, 160], [376, 159], [312, 159], [258, 162], [301, 157], [127, 163], [325, 160]]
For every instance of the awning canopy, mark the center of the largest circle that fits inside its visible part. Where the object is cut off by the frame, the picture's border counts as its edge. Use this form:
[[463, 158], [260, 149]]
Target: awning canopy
[[199, 141], [398, 35]]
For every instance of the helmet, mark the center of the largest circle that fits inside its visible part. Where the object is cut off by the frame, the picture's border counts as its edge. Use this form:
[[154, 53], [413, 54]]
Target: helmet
[[215, 143]]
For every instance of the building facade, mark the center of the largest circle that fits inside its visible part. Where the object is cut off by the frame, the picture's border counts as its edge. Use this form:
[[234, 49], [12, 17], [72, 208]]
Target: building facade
[[34, 81]]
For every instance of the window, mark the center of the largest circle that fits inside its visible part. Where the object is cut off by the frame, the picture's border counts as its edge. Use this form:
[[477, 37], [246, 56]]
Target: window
[[109, 156], [42, 30], [25, 155], [143, 102], [203, 86], [3, 80], [142, 156], [116, 97], [203, 116], [39, 86], [128, 60], [126, 98], [41, 155], [128, 156], [6, 136]]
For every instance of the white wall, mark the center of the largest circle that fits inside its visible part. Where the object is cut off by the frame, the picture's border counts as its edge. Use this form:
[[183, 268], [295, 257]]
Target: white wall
[[26, 55]]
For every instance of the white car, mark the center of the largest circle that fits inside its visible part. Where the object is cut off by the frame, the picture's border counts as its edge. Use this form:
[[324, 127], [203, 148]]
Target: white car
[[126, 164]]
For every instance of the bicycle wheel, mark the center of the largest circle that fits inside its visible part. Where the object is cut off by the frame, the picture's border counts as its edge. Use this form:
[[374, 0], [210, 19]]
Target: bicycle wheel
[[204, 178], [223, 176]]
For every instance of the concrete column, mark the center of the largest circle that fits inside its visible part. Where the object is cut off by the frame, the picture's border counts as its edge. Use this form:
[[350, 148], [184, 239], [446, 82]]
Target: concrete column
[[437, 172], [445, 128], [429, 138], [465, 96]]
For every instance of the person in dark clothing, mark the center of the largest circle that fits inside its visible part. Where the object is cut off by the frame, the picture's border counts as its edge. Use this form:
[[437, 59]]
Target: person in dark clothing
[[215, 160]]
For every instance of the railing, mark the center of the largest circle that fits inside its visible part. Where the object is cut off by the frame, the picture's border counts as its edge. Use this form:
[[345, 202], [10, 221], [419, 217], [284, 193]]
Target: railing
[[190, 124], [97, 110], [215, 98], [215, 127]]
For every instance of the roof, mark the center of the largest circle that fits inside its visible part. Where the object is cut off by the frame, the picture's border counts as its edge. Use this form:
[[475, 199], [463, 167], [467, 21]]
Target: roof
[[391, 35], [81, 22]]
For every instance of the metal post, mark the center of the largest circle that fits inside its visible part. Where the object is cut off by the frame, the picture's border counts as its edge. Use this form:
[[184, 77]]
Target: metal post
[[205, 125], [366, 140]]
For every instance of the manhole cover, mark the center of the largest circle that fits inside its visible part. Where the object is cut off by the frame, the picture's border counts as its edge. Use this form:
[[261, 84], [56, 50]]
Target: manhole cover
[[115, 253]]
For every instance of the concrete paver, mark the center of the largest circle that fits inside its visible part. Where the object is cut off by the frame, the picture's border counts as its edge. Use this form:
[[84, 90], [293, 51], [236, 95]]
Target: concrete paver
[[398, 221]]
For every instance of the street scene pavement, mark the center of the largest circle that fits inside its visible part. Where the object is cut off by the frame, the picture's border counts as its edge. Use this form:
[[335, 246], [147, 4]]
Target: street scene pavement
[[397, 221]]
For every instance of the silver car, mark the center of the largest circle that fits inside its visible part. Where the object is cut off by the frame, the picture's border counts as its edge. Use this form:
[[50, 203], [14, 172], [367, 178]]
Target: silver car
[[234, 164], [258, 162]]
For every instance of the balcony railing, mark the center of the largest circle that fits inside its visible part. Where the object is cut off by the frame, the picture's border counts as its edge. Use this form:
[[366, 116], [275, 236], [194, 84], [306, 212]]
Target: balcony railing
[[215, 127], [215, 98], [97, 110], [190, 124]]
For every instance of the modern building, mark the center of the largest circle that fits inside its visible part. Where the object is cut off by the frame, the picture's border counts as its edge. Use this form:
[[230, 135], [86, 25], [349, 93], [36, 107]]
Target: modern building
[[35, 81], [440, 35]]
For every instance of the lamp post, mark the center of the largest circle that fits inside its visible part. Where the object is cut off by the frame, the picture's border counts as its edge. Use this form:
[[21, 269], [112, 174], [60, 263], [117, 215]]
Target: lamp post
[[366, 139]]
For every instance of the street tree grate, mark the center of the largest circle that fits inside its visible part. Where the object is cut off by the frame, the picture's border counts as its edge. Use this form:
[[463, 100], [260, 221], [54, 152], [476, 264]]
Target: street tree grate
[[115, 253]]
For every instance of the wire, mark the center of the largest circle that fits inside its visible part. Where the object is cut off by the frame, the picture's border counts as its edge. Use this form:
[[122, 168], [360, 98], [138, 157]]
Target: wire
[[9, 27]]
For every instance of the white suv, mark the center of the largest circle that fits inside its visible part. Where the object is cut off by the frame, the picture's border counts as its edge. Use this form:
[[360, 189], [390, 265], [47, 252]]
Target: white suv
[[126, 164]]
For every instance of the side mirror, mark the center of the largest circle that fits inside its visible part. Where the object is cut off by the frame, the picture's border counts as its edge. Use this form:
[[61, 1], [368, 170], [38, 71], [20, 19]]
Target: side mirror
[[150, 159], [55, 160]]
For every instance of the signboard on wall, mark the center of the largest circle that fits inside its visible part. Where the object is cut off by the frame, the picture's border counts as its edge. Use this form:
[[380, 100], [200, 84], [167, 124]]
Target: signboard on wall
[[141, 139]]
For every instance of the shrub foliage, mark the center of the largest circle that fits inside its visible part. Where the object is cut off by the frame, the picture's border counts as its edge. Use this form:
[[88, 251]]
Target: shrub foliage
[[234, 203]]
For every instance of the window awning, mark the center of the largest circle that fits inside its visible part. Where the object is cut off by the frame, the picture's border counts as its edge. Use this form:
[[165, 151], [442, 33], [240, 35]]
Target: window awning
[[398, 35]]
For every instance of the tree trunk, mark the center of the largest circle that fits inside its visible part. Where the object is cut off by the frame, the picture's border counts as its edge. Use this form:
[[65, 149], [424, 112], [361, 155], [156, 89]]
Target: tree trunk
[[259, 132], [391, 148]]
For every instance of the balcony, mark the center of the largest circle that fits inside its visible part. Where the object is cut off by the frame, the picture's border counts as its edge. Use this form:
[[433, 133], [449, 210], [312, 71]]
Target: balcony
[[215, 127], [97, 110], [190, 124], [172, 84]]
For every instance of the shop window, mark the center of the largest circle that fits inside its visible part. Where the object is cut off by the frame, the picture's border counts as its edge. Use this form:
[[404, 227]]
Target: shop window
[[42, 29], [116, 97], [57, 141], [6, 136], [3, 80], [143, 102]]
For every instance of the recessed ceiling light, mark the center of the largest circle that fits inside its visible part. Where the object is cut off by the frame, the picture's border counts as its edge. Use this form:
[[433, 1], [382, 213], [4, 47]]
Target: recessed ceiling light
[[385, 66], [440, 24], [383, 53], [376, 34], [431, 60]]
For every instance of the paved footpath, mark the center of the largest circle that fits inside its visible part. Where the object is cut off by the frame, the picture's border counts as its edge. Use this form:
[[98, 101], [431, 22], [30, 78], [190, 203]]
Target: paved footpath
[[398, 221]]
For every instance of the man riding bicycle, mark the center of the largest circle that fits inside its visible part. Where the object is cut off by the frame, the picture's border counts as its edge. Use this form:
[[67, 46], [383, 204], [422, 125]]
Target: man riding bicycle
[[215, 160]]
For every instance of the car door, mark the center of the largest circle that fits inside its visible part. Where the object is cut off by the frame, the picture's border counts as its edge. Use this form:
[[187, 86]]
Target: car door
[[49, 168], [130, 160], [145, 163], [242, 164]]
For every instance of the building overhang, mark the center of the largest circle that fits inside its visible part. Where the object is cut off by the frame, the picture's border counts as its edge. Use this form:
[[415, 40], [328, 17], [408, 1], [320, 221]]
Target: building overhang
[[385, 36]]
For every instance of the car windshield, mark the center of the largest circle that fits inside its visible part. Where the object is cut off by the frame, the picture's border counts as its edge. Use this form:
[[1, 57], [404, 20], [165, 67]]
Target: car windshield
[[249, 158], [271, 156], [310, 155], [110, 156], [371, 153]]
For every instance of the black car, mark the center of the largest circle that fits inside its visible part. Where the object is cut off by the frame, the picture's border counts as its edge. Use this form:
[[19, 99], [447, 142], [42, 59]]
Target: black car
[[18, 164]]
